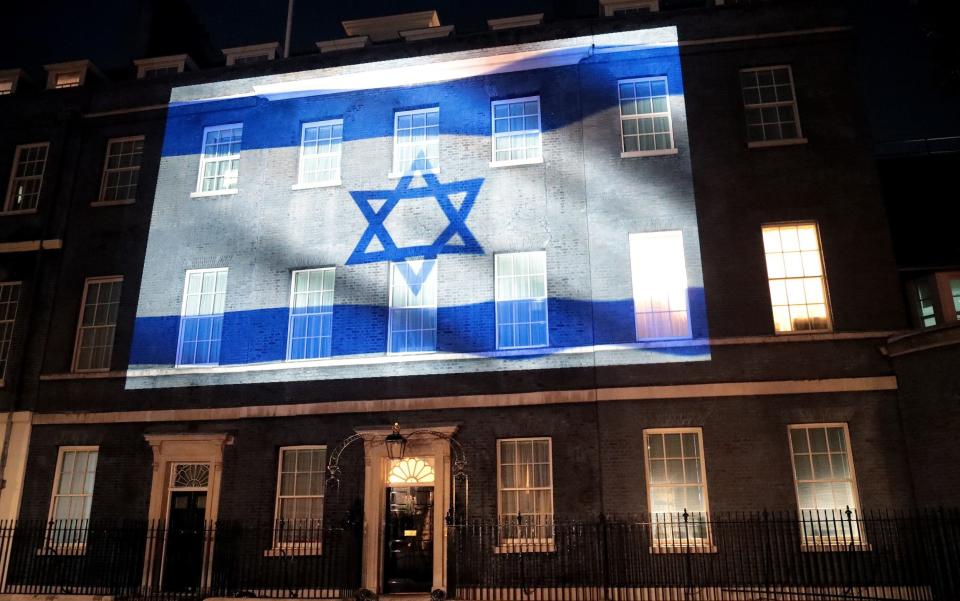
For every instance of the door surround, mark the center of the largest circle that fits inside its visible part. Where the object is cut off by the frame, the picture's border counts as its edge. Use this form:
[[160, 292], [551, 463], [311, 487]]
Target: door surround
[[376, 468], [169, 450]]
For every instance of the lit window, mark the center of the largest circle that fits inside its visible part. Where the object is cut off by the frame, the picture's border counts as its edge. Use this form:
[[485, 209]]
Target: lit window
[[300, 491], [770, 105], [416, 141], [926, 303], [798, 288], [9, 300], [220, 159], [6, 87], [311, 313], [97, 324], [160, 72], [26, 177], [201, 321], [320, 144], [521, 295], [69, 79], [72, 494], [121, 172], [516, 131], [413, 307], [677, 486], [659, 285], [823, 469], [646, 126], [955, 295], [525, 487]]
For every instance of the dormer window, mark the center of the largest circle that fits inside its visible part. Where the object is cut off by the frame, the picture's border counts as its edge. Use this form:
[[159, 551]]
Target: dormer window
[[163, 66], [625, 8], [9, 80], [68, 75], [243, 55]]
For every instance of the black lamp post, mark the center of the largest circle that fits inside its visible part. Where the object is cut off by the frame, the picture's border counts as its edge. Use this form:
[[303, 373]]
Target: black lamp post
[[395, 443]]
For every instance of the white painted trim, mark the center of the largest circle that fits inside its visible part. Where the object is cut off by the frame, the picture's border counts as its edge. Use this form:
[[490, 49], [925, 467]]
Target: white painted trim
[[227, 192], [493, 132], [396, 170], [198, 190], [478, 401], [13, 171], [300, 548], [649, 153], [290, 299], [300, 185], [508, 545], [106, 169], [83, 306], [638, 116], [823, 274], [671, 546], [798, 139], [71, 548], [515, 22], [239, 52], [496, 299], [183, 307]]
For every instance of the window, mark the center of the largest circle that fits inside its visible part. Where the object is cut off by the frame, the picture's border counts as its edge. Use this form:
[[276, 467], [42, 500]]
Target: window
[[242, 55], [798, 288], [413, 307], [770, 106], [516, 131], [677, 486], [624, 8], [659, 285], [68, 79], [525, 487], [521, 295], [72, 493], [311, 313], [823, 471], [220, 159], [300, 491], [926, 303], [955, 295], [416, 141], [9, 300], [201, 318], [162, 66], [320, 144], [7, 86], [645, 124], [121, 171], [97, 324], [160, 72], [26, 177]]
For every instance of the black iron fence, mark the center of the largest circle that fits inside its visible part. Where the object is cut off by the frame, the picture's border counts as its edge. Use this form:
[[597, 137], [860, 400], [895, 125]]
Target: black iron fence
[[149, 560], [742, 556], [739, 556]]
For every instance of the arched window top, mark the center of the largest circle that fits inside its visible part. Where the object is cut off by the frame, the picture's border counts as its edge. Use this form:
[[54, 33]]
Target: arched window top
[[412, 470]]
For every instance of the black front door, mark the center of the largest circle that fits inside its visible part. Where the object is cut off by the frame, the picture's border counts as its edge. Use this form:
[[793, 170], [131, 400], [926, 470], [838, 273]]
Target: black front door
[[185, 536], [408, 553]]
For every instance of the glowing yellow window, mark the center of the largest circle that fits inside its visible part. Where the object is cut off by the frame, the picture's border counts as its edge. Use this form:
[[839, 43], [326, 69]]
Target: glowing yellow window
[[798, 287]]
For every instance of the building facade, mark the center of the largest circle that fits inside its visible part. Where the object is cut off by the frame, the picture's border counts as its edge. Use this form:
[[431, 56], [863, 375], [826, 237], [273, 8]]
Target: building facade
[[625, 267]]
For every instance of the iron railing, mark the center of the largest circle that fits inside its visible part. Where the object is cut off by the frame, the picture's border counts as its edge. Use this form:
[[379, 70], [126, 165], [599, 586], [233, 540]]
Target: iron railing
[[738, 556]]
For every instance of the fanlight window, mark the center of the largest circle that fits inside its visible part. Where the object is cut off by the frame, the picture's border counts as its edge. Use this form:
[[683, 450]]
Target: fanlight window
[[410, 471], [191, 475]]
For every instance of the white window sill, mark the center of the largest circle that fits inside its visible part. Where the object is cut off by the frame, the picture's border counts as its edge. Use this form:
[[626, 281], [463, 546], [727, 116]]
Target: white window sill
[[409, 353], [18, 212], [329, 184], [517, 163], [526, 546], [648, 153], [775, 143], [195, 365], [112, 203], [664, 338], [304, 550], [214, 193], [834, 547], [683, 549], [523, 348], [98, 370], [801, 332], [399, 174]]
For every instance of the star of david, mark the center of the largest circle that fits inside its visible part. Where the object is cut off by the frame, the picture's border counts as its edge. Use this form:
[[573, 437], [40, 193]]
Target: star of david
[[455, 238]]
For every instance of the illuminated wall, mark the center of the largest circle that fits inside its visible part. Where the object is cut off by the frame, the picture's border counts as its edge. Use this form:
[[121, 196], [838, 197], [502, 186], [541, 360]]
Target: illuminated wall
[[580, 205]]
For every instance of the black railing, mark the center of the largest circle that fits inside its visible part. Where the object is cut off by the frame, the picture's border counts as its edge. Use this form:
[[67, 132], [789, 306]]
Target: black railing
[[741, 556], [149, 560]]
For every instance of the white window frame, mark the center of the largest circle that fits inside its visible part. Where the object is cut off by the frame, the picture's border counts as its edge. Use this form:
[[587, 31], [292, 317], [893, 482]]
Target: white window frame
[[390, 307], [525, 544], [633, 277], [333, 291], [694, 544], [75, 548], [12, 321], [669, 114], [302, 185], [198, 193], [183, 308], [305, 547], [8, 202], [113, 279], [823, 276], [798, 139], [545, 298], [397, 171], [100, 202], [494, 135], [827, 543], [269, 50]]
